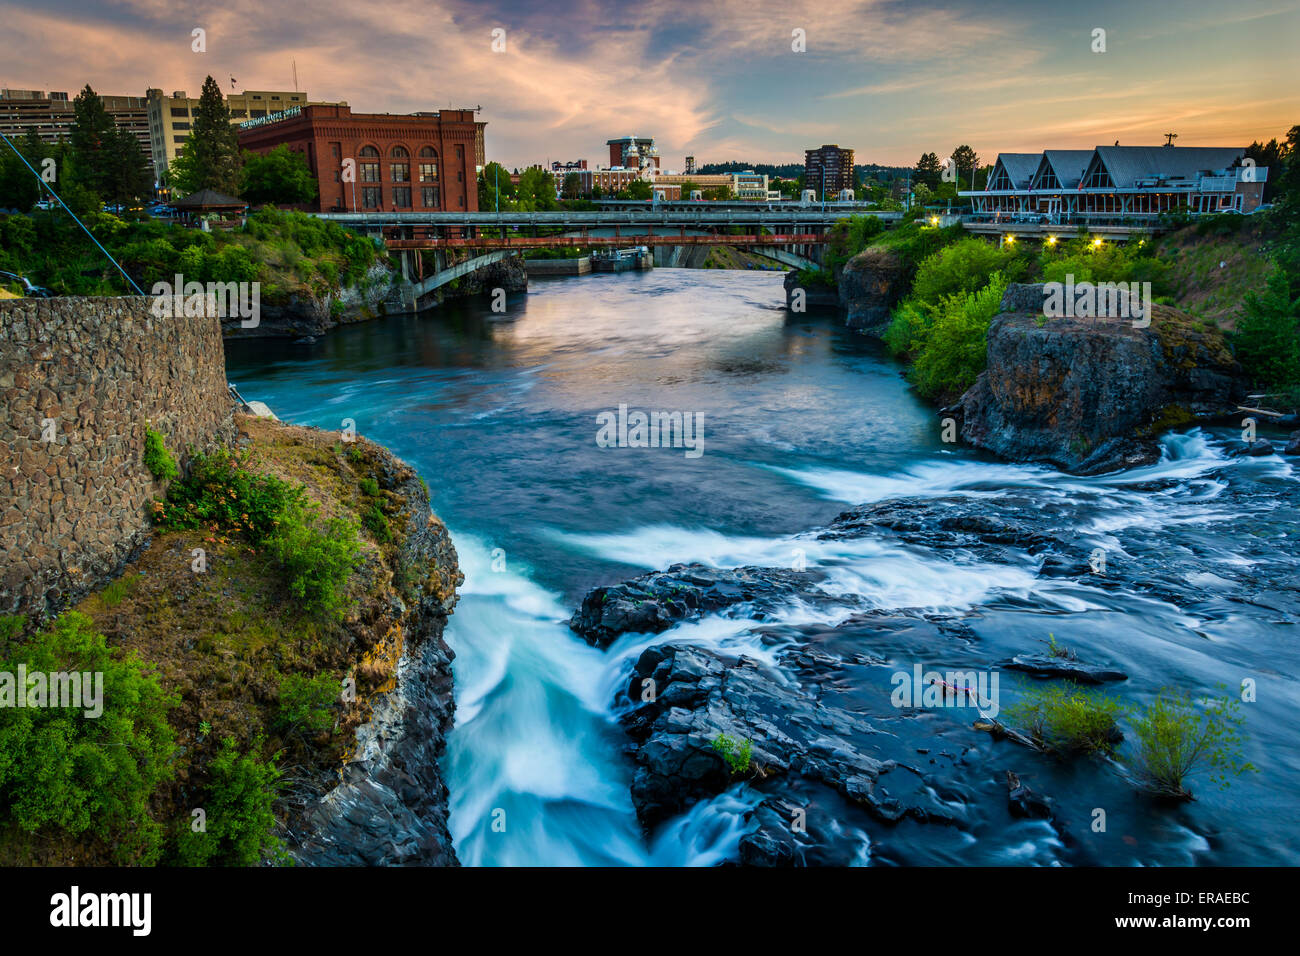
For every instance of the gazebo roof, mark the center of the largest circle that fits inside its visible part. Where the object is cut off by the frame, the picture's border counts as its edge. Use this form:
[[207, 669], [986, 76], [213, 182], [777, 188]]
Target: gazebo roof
[[209, 199]]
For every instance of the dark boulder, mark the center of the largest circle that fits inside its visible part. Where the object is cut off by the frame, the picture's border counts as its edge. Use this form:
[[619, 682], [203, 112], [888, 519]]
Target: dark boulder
[[1043, 665], [652, 603], [1293, 444], [870, 285], [1258, 448], [813, 294], [1093, 395]]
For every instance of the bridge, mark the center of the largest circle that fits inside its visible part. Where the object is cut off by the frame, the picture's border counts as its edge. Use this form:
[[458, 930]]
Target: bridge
[[664, 215], [791, 234]]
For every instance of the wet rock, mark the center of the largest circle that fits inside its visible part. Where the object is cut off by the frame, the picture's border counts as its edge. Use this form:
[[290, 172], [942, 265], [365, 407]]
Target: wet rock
[[792, 738], [1093, 395], [870, 285], [1293, 444], [654, 602], [1249, 449], [1024, 802], [1043, 665]]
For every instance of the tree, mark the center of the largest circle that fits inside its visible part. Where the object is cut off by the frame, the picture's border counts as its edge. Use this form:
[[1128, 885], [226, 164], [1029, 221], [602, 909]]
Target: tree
[[93, 139], [639, 189], [127, 170], [688, 187], [1268, 334], [19, 189], [536, 189], [494, 186], [278, 177], [210, 159], [967, 161], [928, 169], [1272, 156], [572, 186]]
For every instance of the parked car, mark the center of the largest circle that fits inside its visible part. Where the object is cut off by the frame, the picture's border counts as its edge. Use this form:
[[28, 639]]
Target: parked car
[[30, 289], [46, 204]]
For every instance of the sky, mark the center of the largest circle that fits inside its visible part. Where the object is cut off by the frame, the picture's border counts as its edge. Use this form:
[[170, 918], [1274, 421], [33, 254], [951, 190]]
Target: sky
[[746, 80]]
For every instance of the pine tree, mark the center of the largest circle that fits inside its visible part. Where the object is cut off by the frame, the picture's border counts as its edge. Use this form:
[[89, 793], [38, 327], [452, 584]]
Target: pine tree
[[210, 158], [129, 176], [93, 133], [927, 169]]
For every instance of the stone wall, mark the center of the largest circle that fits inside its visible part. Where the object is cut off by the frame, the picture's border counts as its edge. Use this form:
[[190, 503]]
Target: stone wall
[[79, 380]]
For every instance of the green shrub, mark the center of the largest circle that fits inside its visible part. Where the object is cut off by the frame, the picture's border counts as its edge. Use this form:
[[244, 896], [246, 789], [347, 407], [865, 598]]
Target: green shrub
[[60, 768], [317, 558], [157, 459], [369, 487], [1176, 739], [1067, 719], [221, 490], [307, 702], [967, 266], [736, 753], [1267, 342], [238, 817], [377, 523], [952, 351]]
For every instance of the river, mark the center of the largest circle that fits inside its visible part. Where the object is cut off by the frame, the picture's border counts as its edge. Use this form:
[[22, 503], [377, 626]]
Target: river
[[801, 418]]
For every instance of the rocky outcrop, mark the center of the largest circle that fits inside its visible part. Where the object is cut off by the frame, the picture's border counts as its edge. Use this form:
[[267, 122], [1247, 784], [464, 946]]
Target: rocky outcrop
[[703, 704], [871, 284], [304, 314], [652, 603], [390, 805], [813, 295], [1092, 395]]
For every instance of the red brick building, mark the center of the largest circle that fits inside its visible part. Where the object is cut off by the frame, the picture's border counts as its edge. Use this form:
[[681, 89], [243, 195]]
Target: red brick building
[[379, 162]]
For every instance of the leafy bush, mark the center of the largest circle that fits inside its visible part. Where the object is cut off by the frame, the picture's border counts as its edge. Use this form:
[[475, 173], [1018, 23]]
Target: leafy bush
[[239, 822], [967, 266], [952, 351], [736, 753], [222, 491], [157, 458], [1176, 739], [1267, 342], [60, 768], [1067, 719], [317, 558], [307, 702], [377, 523], [369, 487]]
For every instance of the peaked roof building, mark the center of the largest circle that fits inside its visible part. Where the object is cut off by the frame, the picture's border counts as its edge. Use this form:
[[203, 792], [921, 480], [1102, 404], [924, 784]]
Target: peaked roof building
[[1114, 183]]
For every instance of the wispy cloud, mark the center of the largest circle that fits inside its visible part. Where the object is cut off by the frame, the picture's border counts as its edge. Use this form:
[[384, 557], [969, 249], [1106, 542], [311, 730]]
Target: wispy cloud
[[890, 77]]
